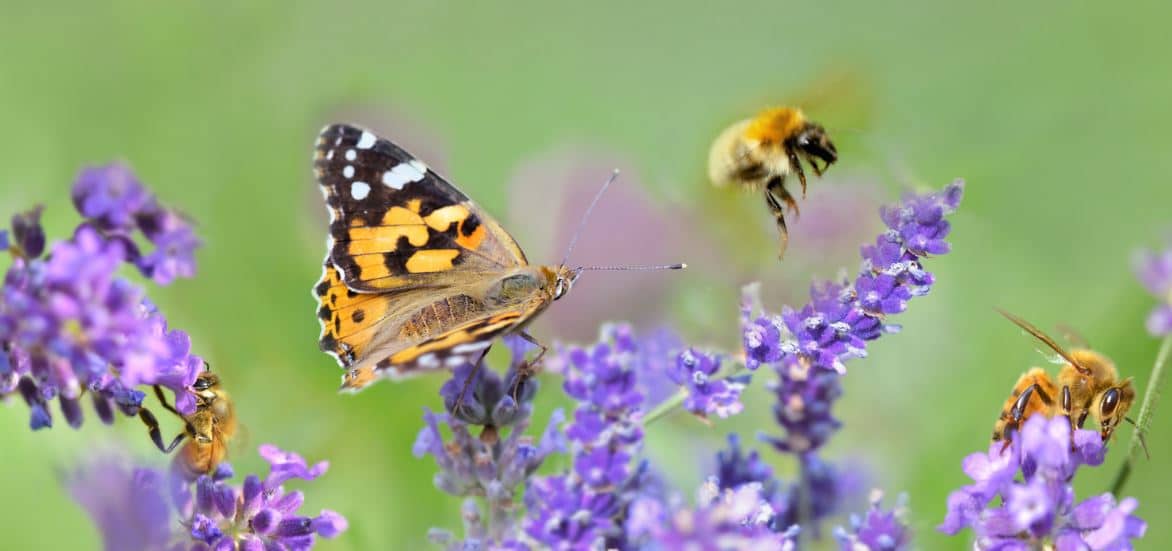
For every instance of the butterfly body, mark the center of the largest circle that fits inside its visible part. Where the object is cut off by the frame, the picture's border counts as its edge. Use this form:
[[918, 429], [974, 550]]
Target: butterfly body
[[416, 276]]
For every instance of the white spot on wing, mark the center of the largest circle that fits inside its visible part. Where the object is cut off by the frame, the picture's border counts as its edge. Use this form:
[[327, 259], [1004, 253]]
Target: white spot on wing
[[366, 140], [359, 190], [351, 154], [454, 361], [330, 155], [470, 347], [428, 361], [404, 173], [348, 172]]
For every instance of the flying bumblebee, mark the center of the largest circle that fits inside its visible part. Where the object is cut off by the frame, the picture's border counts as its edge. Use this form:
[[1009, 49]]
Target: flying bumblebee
[[207, 431], [1087, 385], [759, 153]]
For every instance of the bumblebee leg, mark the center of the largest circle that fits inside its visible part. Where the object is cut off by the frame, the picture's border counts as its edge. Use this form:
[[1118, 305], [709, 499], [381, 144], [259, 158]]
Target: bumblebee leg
[[778, 212], [797, 166]]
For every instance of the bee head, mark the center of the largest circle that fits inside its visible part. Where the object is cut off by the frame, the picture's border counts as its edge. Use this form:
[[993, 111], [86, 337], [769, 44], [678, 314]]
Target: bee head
[[1111, 406], [812, 142]]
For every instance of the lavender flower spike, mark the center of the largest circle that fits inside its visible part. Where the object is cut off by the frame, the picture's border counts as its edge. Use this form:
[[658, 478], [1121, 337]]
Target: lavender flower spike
[[490, 466], [151, 509], [1039, 509], [877, 530], [583, 508], [1154, 270], [69, 325], [723, 519]]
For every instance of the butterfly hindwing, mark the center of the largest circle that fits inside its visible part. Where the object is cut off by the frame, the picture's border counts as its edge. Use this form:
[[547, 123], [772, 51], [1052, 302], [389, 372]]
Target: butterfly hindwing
[[394, 223]]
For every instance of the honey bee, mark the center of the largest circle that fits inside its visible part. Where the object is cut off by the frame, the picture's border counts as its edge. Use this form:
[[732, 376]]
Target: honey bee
[[759, 153], [207, 431], [1087, 385]]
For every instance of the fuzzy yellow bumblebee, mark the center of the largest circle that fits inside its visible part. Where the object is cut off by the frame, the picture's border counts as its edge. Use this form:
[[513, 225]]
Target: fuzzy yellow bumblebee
[[759, 153]]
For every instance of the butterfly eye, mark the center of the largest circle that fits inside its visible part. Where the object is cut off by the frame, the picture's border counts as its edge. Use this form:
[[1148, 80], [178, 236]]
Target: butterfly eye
[[1110, 400]]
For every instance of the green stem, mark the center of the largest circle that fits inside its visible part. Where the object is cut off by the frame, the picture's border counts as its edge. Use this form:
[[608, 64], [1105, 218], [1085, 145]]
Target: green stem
[[667, 406], [1151, 396]]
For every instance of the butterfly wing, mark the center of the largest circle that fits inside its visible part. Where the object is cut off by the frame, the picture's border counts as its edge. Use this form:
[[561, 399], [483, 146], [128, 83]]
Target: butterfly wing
[[406, 250], [395, 224]]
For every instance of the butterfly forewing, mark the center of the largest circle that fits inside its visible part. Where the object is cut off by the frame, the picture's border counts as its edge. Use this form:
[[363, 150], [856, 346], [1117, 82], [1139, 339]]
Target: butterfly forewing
[[393, 220]]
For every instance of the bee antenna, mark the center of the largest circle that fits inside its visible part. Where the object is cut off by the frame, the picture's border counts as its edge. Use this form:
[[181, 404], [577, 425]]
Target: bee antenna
[[586, 216], [1045, 339], [1139, 435], [637, 268]]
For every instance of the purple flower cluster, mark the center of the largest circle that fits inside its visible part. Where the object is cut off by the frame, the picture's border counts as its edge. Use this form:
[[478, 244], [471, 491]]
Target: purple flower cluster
[[877, 530], [69, 325], [1154, 270], [113, 200], [582, 509], [152, 509], [808, 347], [723, 518], [696, 372], [1039, 509], [487, 466]]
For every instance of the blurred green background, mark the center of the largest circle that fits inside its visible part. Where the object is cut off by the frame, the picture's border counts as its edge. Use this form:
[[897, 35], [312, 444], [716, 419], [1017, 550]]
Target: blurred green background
[[1056, 114]]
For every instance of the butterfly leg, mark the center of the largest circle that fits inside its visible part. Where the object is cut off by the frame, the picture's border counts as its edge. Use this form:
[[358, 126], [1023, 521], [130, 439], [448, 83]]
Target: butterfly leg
[[471, 377], [776, 185], [528, 368]]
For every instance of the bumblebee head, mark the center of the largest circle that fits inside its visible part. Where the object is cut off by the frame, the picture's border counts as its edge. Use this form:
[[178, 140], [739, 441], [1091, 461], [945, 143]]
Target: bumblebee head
[[812, 142], [1111, 405]]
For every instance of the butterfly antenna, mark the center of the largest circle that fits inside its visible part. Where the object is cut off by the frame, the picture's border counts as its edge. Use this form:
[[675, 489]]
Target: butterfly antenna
[[582, 224], [679, 266]]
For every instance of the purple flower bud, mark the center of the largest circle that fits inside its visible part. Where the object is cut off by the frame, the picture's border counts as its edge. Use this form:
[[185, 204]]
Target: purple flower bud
[[110, 196]]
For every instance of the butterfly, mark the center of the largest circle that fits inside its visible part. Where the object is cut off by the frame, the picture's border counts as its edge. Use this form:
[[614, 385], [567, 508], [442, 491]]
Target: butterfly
[[416, 276]]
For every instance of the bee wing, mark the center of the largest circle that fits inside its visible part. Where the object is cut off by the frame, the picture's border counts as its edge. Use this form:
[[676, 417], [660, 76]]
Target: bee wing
[[1072, 336], [1045, 339]]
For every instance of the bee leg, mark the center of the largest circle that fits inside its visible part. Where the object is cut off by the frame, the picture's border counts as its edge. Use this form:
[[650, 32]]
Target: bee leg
[[152, 425], [1017, 412], [797, 166], [163, 401]]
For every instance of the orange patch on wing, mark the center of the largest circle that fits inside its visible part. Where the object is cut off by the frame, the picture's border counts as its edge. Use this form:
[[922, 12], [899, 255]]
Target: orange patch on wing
[[775, 125], [384, 238], [414, 205], [436, 260], [471, 242], [399, 216], [371, 266], [442, 218]]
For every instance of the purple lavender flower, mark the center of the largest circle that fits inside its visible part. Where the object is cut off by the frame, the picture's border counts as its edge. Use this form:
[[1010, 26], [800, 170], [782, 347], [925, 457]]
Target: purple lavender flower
[[1040, 509], [695, 371], [69, 325], [808, 347], [723, 519], [488, 467], [877, 530], [175, 243], [110, 196], [1154, 270], [151, 509], [583, 507]]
